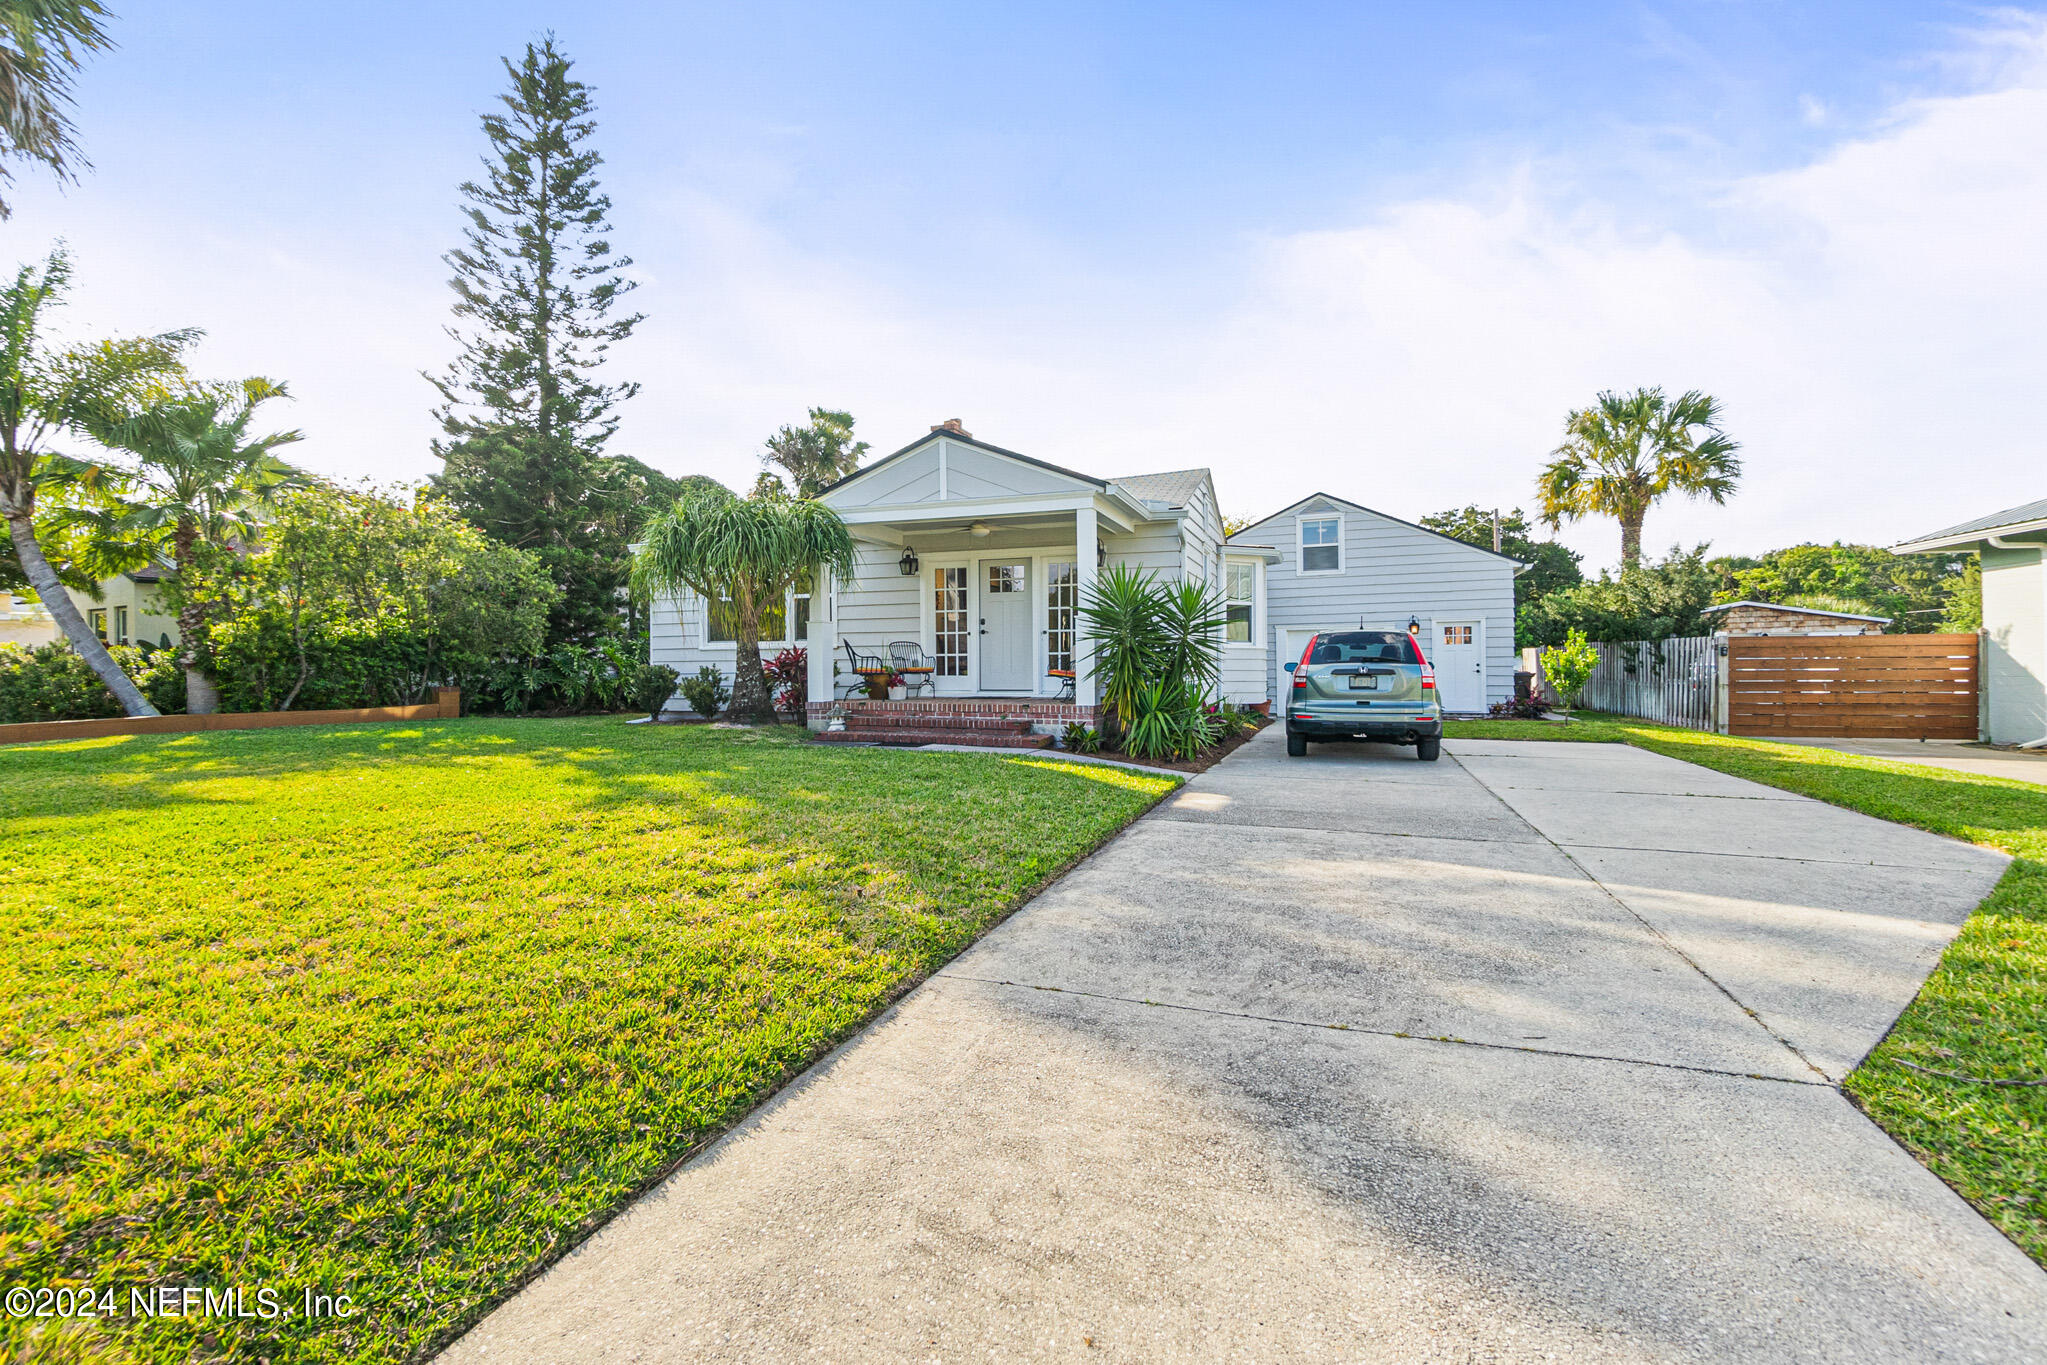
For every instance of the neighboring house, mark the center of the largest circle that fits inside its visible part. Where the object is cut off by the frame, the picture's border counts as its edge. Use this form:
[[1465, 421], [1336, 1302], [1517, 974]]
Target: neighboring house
[[25, 621], [977, 557], [1339, 565], [1774, 618], [130, 611], [2012, 545]]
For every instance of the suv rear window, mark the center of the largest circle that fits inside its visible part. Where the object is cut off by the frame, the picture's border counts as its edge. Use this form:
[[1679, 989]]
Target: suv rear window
[[1363, 647]]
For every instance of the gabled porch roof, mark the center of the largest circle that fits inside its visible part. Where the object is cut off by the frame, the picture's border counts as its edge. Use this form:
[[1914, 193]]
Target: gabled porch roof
[[947, 476]]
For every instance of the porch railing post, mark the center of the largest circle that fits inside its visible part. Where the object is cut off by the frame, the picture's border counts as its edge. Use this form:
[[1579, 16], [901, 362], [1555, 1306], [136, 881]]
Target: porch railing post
[[1084, 542], [824, 637]]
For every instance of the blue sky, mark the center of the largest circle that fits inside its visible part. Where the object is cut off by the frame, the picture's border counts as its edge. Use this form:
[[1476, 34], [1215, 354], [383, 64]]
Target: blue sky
[[1370, 248]]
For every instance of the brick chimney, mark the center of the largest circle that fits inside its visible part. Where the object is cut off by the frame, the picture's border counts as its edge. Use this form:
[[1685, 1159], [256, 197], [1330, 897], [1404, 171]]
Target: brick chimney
[[952, 424]]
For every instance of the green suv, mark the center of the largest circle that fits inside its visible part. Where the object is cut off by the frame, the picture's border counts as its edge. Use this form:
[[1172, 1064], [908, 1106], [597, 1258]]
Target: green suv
[[1364, 684]]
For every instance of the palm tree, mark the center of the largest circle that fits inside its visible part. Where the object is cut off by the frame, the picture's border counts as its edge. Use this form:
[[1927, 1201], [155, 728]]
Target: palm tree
[[41, 43], [746, 551], [199, 481], [816, 456], [46, 392], [1627, 450]]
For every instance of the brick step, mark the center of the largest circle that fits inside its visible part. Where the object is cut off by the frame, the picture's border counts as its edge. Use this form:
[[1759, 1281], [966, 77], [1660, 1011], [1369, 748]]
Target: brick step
[[986, 739], [885, 720]]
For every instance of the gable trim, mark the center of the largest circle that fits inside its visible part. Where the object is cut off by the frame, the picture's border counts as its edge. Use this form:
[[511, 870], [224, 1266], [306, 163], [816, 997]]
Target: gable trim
[[929, 437], [1295, 509]]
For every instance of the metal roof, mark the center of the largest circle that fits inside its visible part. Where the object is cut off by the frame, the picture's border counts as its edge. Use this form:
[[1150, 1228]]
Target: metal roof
[[2029, 515], [1173, 487], [1803, 611]]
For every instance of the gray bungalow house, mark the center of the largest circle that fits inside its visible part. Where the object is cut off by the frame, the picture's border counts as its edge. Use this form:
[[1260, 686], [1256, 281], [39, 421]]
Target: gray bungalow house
[[2013, 547], [974, 558]]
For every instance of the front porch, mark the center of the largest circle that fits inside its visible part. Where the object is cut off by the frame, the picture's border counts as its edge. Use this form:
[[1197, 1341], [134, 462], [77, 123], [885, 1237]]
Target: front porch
[[986, 611]]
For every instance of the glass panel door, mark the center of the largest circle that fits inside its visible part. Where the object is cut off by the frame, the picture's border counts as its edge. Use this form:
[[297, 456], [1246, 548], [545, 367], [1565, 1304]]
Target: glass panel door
[[1062, 594], [949, 622]]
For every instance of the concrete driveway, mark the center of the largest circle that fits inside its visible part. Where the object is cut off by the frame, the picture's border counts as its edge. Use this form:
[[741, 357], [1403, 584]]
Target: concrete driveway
[[1528, 1054]]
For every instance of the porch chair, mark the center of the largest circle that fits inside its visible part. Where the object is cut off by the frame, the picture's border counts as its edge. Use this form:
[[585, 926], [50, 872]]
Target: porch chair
[[908, 658], [861, 667], [1065, 677]]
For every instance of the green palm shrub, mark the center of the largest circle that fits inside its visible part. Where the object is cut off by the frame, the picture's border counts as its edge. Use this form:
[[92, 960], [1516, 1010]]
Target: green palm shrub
[[1157, 653], [1122, 614]]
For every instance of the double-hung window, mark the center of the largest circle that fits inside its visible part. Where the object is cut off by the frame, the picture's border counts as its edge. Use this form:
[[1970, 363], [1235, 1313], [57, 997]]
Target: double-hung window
[[1241, 582], [1321, 544], [721, 620]]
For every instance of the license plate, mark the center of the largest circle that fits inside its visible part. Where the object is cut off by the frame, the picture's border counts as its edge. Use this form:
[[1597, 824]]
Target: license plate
[[1363, 682]]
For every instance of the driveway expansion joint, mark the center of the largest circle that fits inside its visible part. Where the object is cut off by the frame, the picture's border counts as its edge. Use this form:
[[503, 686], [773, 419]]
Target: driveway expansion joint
[[1407, 1035], [1659, 935]]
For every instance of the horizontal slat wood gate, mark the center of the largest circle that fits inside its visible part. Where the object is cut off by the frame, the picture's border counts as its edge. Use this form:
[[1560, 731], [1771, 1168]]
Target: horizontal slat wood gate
[[1853, 686]]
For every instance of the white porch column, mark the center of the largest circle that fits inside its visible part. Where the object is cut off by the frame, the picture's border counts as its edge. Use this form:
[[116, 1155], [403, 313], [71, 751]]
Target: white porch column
[[823, 643], [1085, 538]]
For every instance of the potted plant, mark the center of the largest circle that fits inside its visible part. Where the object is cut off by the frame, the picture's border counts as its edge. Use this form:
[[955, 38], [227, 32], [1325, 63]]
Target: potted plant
[[898, 687]]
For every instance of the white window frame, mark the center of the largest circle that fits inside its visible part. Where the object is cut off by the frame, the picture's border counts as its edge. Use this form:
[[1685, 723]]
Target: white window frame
[[789, 596], [1256, 601], [1301, 546]]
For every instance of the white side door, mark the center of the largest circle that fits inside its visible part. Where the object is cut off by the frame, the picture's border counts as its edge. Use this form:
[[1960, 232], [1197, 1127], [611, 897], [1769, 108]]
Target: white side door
[[1459, 657]]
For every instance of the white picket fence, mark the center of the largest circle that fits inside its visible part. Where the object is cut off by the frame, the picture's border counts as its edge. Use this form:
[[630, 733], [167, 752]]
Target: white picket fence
[[1673, 680]]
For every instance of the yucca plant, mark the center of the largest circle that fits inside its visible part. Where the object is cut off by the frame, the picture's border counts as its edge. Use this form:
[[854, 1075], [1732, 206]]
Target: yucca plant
[[1168, 720], [1122, 614], [1191, 617]]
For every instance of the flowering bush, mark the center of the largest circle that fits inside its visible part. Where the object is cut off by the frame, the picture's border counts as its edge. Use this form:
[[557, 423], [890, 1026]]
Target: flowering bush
[[789, 676]]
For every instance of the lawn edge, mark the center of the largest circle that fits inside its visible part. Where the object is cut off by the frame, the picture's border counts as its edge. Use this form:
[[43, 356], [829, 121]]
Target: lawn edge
[[597, 1222]]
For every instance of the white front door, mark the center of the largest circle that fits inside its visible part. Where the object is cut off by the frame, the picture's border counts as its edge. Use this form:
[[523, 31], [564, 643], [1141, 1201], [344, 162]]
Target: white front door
[[1008, 641], [1459, 657]]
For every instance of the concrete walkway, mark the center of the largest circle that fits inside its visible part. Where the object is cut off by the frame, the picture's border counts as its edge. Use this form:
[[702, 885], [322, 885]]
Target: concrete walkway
[[1953, 754], [1527, 1054]]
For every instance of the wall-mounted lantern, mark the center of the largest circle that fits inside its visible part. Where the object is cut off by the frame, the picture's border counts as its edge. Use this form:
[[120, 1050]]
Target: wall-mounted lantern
[[908, 563], [1414, 627], [1101, 555]]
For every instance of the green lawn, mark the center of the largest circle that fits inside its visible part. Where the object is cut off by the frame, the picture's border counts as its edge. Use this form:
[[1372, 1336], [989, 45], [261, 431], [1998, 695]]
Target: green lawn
[[400, 1012], [1983, 1012]]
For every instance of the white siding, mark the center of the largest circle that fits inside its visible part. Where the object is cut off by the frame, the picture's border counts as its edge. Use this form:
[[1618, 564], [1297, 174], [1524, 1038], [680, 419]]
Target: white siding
[[1392, 572], [1247, 667], [913, 478], [2015, 650]]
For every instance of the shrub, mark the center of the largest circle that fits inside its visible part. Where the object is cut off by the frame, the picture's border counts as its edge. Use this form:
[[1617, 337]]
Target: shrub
[[653, 685], [1170, 720], [359, 598], [1519, 708], [54, 682], [1158, 654], [1568, 667], [706, 692], [1081, 738], [1648, 603], [789, 679]]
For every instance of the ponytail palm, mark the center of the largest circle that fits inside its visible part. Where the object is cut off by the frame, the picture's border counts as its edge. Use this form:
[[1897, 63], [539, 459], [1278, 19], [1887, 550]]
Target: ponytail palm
[[1627, 451], [750, 552]]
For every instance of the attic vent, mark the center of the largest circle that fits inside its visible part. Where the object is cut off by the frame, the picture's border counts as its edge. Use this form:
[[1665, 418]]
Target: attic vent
[[952, 424]]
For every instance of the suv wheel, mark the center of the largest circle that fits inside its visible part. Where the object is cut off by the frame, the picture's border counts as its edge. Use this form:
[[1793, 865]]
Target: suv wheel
[[1296, 745], [1428, 750]]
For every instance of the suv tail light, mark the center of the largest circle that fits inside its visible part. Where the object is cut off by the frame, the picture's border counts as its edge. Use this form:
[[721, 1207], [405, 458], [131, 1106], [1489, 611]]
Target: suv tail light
[[1428, 673], [1301, 669]]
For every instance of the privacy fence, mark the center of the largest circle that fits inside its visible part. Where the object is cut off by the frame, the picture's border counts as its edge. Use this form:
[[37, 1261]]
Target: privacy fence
[[1673, 681], [1853, 686]]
